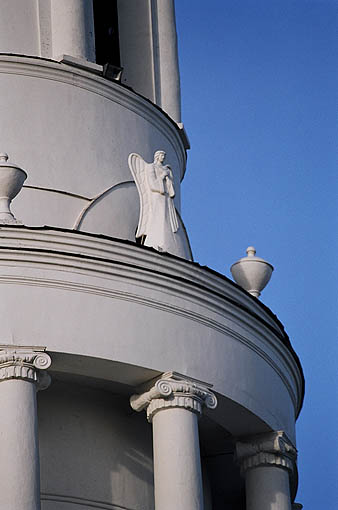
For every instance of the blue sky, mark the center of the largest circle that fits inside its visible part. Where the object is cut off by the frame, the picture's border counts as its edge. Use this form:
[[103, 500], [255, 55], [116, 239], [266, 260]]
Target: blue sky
[[259, 98]]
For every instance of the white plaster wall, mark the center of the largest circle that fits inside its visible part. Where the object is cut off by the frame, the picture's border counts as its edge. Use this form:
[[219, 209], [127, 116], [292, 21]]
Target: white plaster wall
[[19, 27], [94, 451]]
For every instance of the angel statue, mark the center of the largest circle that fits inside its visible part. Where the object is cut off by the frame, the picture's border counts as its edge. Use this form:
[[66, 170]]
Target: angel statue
[[158, 222]]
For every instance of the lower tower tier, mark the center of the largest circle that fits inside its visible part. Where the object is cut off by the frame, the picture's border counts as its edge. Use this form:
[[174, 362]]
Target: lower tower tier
[[114, 317]]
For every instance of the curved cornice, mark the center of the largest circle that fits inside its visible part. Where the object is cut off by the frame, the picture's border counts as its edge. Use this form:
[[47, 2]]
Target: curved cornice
[[124, 96], [138, 266]]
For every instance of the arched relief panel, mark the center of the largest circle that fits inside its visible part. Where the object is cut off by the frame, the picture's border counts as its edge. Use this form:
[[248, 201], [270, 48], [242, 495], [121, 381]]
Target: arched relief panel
[[59, 209], [115, 213]]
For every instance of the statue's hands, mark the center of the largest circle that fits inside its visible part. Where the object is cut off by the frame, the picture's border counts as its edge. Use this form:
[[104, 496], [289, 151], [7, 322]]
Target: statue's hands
[[166, 172]]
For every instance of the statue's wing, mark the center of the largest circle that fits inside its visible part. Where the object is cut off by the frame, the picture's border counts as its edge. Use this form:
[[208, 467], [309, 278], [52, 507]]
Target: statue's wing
[[137, 167]]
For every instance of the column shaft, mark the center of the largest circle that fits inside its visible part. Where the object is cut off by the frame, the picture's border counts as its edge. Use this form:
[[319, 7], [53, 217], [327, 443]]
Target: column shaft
[[177, 467], [20, 478], [73, 28], [170, 95], [267, 488]]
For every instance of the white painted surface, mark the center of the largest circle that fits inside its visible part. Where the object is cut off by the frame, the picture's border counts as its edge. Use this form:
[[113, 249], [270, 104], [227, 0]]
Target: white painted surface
[[19, 480], [19, 30], [177, 464], [72, 28], [267, 488]]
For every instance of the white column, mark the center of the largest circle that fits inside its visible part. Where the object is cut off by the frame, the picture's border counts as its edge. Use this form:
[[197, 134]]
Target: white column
[[73, 29], [169, 78], [267, 461], [173, 405], [20, 378]]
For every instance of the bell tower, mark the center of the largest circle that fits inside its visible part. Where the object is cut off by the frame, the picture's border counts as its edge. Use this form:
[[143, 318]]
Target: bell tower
[[130, 376]]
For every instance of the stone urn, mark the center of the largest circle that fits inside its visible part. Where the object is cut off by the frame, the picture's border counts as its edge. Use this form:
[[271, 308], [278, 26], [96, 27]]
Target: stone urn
[[11, 181], [252, 273]]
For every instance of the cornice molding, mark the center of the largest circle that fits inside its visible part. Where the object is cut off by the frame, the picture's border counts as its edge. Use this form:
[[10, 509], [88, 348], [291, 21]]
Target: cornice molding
[[96, 255], [25, 363], [174, 390], [60, 72], [271, 449]]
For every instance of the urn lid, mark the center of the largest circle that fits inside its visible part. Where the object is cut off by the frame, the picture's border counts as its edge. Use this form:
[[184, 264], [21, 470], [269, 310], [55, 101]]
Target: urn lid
[[5, 163], [251, 255]]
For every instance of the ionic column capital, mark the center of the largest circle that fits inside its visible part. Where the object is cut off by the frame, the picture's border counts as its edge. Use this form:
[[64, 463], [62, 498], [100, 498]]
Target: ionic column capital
[[273, 448], [174, 390], [25, 363]]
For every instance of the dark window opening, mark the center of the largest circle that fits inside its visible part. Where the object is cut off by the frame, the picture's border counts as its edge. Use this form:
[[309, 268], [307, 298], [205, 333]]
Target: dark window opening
[[106, 32]]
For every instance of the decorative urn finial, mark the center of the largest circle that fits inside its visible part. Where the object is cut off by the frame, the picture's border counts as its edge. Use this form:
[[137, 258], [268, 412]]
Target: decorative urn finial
[[251, 272], [11, 181]]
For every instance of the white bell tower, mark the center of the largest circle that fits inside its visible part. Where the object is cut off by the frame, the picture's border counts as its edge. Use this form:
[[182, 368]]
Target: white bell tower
[[165, 385]]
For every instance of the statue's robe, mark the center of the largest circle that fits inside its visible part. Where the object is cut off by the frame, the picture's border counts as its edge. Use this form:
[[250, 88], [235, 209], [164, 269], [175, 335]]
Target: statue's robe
[[162, 221]]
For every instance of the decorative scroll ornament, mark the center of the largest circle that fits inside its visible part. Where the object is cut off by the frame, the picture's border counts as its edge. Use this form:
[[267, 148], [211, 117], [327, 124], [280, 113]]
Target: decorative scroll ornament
[[158, 221], [174, 390], [273, 448], [24, 363]]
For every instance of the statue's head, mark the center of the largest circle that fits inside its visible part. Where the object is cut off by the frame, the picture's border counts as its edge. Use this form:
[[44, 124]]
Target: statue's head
[[159, 156]]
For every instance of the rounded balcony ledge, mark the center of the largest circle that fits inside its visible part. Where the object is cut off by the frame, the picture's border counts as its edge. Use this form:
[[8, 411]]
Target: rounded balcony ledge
[[153, 313]]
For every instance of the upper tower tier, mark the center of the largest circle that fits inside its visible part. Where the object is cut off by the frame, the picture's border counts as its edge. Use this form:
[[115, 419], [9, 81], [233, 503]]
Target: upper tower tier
[[138, 35], [72, 126]]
